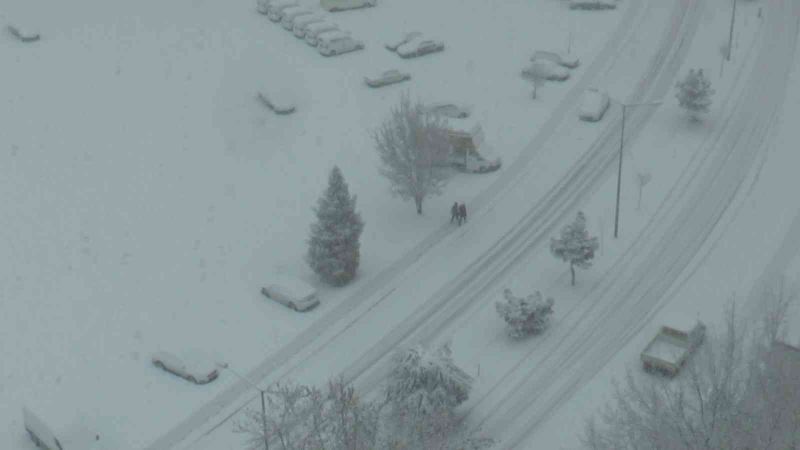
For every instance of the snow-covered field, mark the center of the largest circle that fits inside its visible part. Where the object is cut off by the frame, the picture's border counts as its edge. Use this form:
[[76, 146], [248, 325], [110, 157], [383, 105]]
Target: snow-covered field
[[149, 195]]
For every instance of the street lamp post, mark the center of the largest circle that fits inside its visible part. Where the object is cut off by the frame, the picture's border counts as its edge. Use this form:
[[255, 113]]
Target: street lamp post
[[263, 403], [621, 146]]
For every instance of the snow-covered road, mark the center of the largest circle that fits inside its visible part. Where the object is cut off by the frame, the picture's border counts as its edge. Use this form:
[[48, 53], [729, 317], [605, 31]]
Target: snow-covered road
[[647, 273], [331, 349]]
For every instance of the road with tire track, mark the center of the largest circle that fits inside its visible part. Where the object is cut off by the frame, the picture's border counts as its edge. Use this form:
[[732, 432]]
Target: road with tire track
[[534, 227]]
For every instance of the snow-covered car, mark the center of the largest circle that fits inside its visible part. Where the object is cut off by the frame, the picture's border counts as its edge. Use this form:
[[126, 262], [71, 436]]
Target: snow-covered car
[[341, 5], [301, 24], [561, 59], [314, 30], [279, 101], [592, 4], [192, 365], [276, 7], [398, 41], [449, 110], [262, 6], [337, 44], [23, 34], [417, 47], [291, 292], [545, 69], [593, 105], [386, 78], [290, 14]]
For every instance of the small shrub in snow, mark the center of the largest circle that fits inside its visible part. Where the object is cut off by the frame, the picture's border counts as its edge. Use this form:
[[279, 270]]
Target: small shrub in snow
[[334, 247], [694, 93], [575, 246], [525, 315]]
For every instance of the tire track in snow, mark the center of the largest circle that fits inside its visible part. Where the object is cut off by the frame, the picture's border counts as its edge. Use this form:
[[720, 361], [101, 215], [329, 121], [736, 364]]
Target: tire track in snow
[[556, 382], [515, 173]]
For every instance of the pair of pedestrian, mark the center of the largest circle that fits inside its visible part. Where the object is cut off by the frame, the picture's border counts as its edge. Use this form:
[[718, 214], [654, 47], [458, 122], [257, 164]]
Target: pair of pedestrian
[[458, 213]]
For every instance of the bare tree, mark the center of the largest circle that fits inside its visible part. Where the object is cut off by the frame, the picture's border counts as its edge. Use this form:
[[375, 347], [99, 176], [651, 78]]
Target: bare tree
[[740, 393], [413, 146]]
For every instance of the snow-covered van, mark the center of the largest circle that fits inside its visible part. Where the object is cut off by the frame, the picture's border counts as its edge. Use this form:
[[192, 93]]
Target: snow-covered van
[[315, 29], [341, 5]]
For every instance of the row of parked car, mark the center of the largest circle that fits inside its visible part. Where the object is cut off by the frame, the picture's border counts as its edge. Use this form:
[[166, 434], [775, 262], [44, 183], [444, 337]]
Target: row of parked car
[[306, 24]]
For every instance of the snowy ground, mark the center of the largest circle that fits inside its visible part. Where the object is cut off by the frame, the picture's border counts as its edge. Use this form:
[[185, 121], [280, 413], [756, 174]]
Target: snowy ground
[[148, 194], [671, 154]]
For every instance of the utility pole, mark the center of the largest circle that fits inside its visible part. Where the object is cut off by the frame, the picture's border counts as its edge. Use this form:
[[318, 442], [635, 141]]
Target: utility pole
[[730, 35], [263, 403], [621, 146], [619, 172]]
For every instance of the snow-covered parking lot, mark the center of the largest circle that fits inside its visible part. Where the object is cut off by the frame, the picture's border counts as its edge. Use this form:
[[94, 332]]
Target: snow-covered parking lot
[[149, 193]]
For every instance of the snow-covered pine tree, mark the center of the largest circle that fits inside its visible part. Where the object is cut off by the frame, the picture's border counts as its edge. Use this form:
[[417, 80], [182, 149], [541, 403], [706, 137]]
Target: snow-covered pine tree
[[694, 93], [334, 247], [428, 380], [525, 316], [423, 389], [575, 246]]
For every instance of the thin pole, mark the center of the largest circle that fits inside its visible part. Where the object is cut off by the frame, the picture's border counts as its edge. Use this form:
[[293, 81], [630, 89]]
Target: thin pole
[[730, 36], [264, 420], [619, 173]]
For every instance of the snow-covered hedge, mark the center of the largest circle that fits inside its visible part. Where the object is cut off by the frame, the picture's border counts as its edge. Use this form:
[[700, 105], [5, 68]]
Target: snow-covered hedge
[[525, 316]]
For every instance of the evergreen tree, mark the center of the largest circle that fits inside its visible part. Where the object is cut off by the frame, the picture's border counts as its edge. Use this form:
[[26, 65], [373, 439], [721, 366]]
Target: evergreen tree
[[694, 93], [333, 249], [575, 245]]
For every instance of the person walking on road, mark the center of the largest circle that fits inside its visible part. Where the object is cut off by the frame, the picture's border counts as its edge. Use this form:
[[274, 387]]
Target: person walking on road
[[462, 213], [454, 212]]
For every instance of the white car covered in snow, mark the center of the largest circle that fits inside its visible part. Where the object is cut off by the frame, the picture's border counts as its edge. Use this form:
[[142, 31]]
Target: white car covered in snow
[[290, 14], [279, 101], [23, 34], [276, 7], [386, 78], [393, 44], [593, 105], [301, 24], [314, 31], [546, 70], [561, 59], [337, 44], [341, 5], [262, 6], [419, 47], [291, 292], [192, 365], [592, 4], [449, 110]]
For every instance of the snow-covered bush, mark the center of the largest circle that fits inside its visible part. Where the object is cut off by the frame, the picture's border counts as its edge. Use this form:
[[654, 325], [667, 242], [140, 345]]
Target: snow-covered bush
[[334, 247], [575, 246], [423, 390], [427, 379], [741, 393], [412, 144], [694, 93], [525, 315]]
